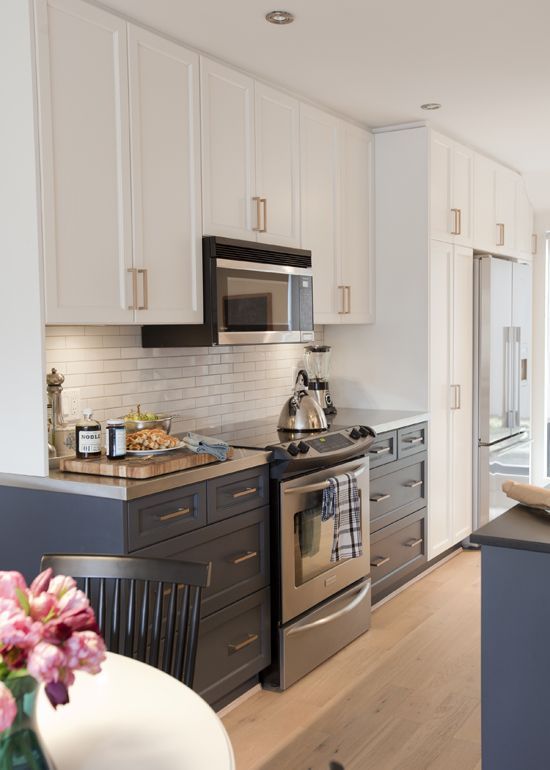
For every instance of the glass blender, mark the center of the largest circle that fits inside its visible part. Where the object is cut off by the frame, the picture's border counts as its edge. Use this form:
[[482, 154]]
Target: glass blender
[[317, 359]]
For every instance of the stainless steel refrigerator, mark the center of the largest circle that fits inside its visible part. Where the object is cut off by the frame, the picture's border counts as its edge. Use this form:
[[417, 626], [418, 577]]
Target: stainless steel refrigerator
[[502, 381]]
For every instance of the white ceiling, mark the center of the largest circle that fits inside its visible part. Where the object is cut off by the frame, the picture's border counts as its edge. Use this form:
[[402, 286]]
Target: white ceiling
[[487, 62]]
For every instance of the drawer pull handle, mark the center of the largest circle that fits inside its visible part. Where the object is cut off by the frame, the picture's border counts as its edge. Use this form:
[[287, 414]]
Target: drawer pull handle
[[379, 561], [379, 498], [382, 451], [415, 440], [414, 542], [413, 484], [175, 514], [247, 491], [241, 645], [244, 557]]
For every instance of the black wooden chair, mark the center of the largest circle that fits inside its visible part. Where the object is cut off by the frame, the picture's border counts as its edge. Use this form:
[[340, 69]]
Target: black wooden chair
[[147, 609]]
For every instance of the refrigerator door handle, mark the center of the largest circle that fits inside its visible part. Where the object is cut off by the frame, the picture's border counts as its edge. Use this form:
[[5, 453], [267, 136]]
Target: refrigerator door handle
[[507, 375], [517, 374]]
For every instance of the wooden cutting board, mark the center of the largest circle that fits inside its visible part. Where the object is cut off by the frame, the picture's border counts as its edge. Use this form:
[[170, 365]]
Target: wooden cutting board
[[138, 467]]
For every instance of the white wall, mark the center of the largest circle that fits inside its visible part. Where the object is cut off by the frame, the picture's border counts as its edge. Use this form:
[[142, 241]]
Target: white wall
[[22, 389], [385, 365]]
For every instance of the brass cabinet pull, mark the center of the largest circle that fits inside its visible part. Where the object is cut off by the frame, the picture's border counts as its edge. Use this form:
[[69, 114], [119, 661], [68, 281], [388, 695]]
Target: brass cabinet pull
[[174, 514], [500, 241], [457, 397], [379, 498], [264, 203], [457, 229], [347, 298], [379, 561], [342, 296], [258, 228], [133, 271], [534, 243], [414, 542], [241, 645], [413, 484], [247, 491], [382, 451], [413, 440], [145, 306], [244, 557]]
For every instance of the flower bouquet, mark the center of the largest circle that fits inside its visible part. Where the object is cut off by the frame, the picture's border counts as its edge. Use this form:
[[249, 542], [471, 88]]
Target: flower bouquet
[[47, 632]]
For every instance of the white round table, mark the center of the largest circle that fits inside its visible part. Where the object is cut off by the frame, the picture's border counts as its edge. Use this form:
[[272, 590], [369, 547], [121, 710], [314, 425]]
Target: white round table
[[133, 717]]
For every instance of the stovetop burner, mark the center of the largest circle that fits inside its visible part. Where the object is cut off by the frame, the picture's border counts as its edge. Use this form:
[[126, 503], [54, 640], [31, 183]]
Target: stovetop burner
[[260, 434]]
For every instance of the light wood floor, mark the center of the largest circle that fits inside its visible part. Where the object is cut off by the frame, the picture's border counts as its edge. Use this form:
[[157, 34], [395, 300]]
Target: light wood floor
[[404, 696]]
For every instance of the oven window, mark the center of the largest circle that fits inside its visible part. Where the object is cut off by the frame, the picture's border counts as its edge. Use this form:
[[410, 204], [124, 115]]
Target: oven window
[[312, 543], [250, 300]]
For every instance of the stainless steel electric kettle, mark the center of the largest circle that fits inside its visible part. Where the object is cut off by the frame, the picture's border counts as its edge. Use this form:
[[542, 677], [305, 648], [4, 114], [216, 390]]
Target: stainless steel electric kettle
[[302, 412]]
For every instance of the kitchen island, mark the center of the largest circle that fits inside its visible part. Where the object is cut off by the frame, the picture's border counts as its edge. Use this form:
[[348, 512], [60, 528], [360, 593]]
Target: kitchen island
[[515, 645]]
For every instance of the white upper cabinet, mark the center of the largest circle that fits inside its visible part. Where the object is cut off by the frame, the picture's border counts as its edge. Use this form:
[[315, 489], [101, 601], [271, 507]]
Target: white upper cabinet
[[506, 187], [526, 236], [277, 132], [227, 129], [84, 133], [320, 187], [336, 189], [356, 262], [451, 190], [497, 191], [250, 151], [120, 155], [165, 164]]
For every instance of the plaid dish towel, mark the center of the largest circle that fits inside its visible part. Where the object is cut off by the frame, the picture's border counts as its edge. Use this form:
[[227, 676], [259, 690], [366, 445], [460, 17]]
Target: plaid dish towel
[[341, 502]]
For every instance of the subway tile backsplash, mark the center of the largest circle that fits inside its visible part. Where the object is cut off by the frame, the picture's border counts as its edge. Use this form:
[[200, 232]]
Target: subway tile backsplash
[[199, 386]]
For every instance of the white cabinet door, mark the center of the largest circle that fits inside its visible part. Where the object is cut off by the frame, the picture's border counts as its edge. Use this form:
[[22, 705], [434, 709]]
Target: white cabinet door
[[440, 520], [165, 160], [506, 185], [485, 229], [356, 252], [461, 396], [227, 131], [319, 133], [84, 138], [277, 124], [462, 195], [526, 245], [440, 187]]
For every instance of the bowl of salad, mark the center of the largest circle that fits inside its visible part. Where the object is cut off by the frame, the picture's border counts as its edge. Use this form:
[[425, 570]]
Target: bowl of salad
[[139, 420]]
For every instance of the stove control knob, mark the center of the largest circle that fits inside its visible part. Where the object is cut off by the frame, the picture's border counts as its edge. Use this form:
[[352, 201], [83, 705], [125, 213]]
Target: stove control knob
[[303, 447], [364, 431], [293, 450], [354, 434]]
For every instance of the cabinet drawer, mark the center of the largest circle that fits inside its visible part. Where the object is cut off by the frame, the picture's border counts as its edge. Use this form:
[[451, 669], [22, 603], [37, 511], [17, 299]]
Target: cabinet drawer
[[159, 517], [412, 439], [234, 645], [238, 549], [397, 490], [237, 493], [397, 550], [384, 449]]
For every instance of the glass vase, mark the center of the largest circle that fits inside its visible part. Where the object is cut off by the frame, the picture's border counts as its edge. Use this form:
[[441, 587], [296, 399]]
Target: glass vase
[[21, 745]]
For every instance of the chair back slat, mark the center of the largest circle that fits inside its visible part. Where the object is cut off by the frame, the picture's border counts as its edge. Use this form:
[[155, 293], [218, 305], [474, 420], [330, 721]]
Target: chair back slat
[[148, 609], [170, 628]]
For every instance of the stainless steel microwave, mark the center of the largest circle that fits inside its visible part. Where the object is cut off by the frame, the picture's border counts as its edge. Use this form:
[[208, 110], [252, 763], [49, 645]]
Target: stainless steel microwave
[[253, 293]]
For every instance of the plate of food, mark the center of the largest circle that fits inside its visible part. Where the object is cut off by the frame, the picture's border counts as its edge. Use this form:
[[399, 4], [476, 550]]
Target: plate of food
[[151, 441]]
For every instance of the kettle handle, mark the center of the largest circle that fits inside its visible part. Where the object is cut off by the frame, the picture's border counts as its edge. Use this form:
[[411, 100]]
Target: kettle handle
[[304, 375]]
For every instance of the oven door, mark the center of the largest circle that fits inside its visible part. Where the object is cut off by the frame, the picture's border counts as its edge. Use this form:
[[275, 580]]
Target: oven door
[[258, 302], [308, 577]]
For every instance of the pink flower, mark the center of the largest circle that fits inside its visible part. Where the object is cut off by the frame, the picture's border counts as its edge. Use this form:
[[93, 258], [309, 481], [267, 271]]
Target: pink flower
[[46, 662], [9, 583], [16, 628], [41, 582], [8, 708], [60, 584], [43, 606], [85, 651], [73, 600]]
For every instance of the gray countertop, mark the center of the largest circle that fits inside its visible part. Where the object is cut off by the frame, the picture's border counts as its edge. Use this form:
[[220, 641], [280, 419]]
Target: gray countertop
[[522, 528], [380, 420]]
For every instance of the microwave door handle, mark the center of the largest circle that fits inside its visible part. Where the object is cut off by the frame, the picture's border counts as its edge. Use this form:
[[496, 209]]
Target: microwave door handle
[[322, 484], [335, 615]]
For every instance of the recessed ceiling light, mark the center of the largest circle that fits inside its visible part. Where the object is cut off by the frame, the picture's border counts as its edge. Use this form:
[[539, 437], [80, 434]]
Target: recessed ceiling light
[[430, 106], [279, 17]]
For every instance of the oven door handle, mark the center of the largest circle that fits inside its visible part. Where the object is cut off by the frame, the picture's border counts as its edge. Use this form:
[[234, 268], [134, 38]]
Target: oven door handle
[[335, 615], [323, 484]]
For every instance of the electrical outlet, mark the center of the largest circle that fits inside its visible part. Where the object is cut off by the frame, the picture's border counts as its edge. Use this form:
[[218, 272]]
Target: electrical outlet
[[71, 403]]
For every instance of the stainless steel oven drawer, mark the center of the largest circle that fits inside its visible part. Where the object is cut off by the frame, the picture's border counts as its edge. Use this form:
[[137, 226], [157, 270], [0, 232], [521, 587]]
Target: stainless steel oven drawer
[[397, 490], [396, 551]]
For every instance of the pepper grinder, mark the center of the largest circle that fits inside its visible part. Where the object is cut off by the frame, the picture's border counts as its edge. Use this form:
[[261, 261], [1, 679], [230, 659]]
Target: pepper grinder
[[60, 435]]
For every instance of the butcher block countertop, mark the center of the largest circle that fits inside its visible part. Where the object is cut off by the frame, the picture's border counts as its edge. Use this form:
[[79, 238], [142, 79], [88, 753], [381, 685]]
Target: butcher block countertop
[[131, 489]]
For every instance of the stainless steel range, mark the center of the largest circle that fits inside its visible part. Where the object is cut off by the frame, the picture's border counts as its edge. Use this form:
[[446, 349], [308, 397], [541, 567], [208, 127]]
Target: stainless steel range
[[318, 606]]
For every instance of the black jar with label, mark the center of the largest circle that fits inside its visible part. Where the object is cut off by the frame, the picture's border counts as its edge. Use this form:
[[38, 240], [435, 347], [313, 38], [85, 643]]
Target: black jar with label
[[88, 436], [115, 439]]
